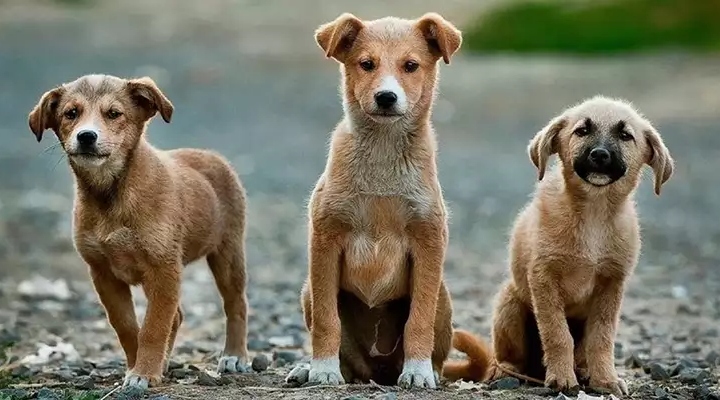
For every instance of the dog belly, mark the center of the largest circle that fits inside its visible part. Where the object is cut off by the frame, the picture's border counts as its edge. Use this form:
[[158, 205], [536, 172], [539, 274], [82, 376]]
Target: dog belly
[[376, 271], [372, 343]]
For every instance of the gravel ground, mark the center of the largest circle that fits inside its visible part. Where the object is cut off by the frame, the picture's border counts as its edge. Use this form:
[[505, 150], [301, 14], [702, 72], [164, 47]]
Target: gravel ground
[[269, 108]]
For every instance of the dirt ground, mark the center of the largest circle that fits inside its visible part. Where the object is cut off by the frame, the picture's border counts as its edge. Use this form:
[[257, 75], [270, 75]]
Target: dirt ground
[[247, 80]]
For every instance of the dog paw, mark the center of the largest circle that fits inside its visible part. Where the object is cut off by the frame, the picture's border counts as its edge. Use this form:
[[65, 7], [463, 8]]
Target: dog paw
[[564, 381], [299, 375], [616, 386], [325, 372], [232, 364], [142, 382], [417, 374]]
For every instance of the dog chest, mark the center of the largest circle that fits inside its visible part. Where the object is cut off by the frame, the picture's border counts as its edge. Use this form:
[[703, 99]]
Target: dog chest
[[120, 251]]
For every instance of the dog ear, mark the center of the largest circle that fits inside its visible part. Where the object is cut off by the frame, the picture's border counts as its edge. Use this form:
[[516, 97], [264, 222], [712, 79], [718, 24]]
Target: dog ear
[[147, 95], [443, 37], [658, 158], [544, 144], [44, 115], [337, 37]]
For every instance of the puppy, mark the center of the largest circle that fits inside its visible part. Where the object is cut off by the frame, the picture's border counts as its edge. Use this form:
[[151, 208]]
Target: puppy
[[141, 214], [375, 302], [574, 247]]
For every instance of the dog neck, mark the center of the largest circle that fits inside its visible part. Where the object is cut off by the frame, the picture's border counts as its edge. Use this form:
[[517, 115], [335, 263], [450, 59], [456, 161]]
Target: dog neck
[[107, 184], [584, 199]]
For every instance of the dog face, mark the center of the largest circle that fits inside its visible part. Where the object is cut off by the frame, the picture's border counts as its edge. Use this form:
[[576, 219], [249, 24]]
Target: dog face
[[389, 65], [603, 141], [99, 118]]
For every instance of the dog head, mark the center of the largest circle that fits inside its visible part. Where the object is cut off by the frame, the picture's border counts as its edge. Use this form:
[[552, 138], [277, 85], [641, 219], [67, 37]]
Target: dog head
[[99, 119], [389, 65], [605, 143]]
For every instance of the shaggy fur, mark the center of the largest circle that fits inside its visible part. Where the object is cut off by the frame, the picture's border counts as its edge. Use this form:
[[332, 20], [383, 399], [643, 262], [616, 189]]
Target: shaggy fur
[[574, 247]]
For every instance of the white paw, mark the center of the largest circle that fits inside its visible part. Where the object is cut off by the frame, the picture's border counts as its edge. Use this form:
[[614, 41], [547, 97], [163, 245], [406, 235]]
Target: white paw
[[232, 364], [299, 375], [326, 372], [136, 381], [417, 374]]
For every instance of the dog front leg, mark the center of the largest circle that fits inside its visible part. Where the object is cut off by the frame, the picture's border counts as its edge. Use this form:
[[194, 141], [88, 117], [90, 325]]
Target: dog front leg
[[325, 328], [599, 337], [161, 285], [116, 298], [428, 242], [555, 337]]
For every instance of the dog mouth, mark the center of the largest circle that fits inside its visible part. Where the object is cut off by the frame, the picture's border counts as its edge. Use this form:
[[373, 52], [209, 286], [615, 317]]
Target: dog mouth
[[600, 178], [89, 155]]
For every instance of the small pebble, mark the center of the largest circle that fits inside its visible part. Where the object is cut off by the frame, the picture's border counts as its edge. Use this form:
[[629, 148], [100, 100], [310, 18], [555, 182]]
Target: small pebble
[[661, 394], [85, 383], [355, 398], [47, 394], [193, 368], [160, 397], [584, 396], [507, 383], [174, 365], [258, 345], [633, 361], [130, 393], [260, 363], [22, 372], [561, 396], [713, 358], [658, 372], [181, 373], [204, 379], [693, 376]]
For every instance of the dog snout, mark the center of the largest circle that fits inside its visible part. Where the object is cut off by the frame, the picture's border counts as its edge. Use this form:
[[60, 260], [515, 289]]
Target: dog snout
[[87, 138], [386, 99], [599, 157]]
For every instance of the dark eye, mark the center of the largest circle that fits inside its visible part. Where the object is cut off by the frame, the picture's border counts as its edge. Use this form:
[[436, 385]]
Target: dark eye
[[367, 65], [581, 131], [411, 66], [71, 114], [626, 137], [113, 114]]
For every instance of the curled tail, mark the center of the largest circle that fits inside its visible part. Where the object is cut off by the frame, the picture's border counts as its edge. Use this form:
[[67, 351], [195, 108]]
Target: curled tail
[[479, 357]]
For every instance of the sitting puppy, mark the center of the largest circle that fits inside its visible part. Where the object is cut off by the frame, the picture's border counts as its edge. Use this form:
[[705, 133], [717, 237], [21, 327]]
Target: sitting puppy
[[141, 214], [574, 247], [375, 301]]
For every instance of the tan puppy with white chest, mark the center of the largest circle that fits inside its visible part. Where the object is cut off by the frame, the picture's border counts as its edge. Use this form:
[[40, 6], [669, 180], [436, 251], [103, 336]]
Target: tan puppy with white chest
[[141, 214], [574, 247], [375, 301]]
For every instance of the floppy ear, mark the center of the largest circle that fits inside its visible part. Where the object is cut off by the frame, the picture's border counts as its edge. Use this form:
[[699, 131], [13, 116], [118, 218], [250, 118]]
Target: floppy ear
[[44, 115], [443, 37], [337, 37], [543, 145], [659, 158], [147, 95]]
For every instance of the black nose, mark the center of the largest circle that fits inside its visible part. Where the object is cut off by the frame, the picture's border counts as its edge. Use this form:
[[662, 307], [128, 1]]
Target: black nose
[[86, 138], [599, 157], [385, 99]]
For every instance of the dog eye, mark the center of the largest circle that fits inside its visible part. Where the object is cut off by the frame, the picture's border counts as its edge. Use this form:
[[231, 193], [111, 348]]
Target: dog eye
[[626, 137], [411, 66], [581, 131], [71, 114], [367, 65], [113, 114]]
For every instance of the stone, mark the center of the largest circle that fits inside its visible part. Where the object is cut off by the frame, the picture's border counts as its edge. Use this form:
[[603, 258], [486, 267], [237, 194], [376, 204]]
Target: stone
[[204, 379], [174, 365], [131, 393], [47, 394], [260, 363], [507, 383], [287, 356], [181, 373], [713, 358], [387, 396], [85, 383], [633, 361], [658, 372], [661, 394], [693, 376], [258, 345]]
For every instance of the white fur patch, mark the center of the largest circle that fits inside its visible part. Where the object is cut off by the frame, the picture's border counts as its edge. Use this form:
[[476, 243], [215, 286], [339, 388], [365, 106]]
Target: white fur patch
[[390, 83], [598, 179], [417, 374], [326, 371]]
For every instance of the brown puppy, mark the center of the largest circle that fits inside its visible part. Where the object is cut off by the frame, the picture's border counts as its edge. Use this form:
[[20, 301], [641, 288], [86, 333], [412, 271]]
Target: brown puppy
[[575, 245], [141, 214], [375, 301]]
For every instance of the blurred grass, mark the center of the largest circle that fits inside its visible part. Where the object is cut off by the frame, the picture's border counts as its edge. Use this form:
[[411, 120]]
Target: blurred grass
[[597, 27]]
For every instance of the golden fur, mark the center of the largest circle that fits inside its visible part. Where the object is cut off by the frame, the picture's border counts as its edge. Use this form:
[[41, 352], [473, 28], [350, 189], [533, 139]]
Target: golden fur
[[572, 250], [375, 302], [141, 214]]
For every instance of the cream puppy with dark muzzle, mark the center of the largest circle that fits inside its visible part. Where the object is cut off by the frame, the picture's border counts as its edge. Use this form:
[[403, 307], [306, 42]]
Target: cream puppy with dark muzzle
[[141, 214], [574, 247], [375, 301]]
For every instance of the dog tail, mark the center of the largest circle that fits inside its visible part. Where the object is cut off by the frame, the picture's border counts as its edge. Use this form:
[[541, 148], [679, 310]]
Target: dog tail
[[479, 357]]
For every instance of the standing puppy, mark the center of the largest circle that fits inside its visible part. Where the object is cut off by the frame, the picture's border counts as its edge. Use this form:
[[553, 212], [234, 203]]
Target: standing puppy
[[375, 301], [141, 214], [574, 247]]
